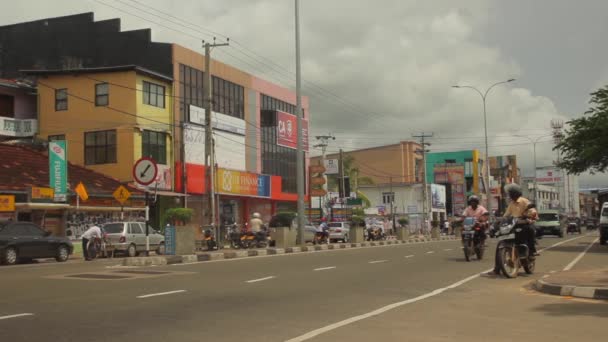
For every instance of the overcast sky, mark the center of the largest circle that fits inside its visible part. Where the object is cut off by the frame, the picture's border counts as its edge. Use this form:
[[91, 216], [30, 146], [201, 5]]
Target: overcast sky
[[379, 71]]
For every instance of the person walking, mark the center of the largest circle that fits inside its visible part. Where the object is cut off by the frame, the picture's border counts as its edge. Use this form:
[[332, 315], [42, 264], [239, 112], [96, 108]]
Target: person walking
[[91, 233]]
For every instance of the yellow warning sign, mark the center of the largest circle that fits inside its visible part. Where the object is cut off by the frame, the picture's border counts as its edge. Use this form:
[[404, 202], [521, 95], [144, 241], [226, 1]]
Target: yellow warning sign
[[121, 194]]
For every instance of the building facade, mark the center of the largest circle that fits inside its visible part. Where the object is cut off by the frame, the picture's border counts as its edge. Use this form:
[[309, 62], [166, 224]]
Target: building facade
[[547, 196], [253, 119], [462, 174], [18, 110], [503, 170]]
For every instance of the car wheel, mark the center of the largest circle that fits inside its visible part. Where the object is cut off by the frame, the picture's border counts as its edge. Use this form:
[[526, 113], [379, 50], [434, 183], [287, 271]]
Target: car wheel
[[63, 253], [131, 251], [9, 256], [161, 249]]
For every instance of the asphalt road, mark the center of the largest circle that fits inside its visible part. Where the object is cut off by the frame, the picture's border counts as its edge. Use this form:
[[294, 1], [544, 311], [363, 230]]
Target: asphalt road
[[421, 292]]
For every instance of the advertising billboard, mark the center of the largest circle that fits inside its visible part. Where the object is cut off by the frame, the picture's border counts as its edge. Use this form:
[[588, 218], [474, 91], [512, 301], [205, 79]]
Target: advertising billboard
[[233, 182], [549, 175], [58, 169], [331, 167], [437, 196], [453, 175], [287, 131]]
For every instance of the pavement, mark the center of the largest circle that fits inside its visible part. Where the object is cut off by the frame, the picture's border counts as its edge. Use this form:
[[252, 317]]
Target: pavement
[[414, 292]]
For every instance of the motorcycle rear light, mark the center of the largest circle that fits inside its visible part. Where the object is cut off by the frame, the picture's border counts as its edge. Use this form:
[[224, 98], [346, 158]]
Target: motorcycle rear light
[[122, 239]]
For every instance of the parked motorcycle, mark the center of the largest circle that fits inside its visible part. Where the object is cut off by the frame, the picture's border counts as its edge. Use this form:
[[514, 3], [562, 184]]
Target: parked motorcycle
[[513, 252], [473, 238], [375, 234], [234, 236], [209, 240]]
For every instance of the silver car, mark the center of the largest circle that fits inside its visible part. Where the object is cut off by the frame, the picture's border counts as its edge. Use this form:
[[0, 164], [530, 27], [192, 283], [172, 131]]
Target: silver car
[[339, 231], [130, 238]]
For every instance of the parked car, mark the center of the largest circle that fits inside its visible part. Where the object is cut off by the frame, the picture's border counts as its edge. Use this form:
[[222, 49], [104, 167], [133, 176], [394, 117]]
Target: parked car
[[130, 238], [549, 224], [339, 231], [604, 224], [20, 241]]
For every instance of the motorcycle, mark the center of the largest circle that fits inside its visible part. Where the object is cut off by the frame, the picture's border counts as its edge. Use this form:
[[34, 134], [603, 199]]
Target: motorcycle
[[96, 248], [244, 239], [513, 252], [375, 234], [473, 238], [234, 236], [209, 239], [320, 238]]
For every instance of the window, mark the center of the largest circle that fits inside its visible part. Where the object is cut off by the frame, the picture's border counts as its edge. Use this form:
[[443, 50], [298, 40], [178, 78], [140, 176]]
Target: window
[[57, 137], [228, 97], [154, 94], [190, 89], [135, 228], [7, 106], [113, 228], [29, 229], [154, 145], [100, 147], [388, 197], [61, 99], [102, 94], [468, 167]]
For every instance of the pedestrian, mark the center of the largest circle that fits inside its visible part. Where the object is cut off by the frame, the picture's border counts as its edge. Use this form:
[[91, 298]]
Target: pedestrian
[[91, 233]]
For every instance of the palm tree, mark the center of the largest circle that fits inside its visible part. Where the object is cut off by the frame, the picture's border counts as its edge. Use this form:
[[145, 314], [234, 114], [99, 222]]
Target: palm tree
[[352, 172]]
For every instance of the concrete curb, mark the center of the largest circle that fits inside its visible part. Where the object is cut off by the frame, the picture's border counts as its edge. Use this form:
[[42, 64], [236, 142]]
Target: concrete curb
[[572, 290], [237, 254]]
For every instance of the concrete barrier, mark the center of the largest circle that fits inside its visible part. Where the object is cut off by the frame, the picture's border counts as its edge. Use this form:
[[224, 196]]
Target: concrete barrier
[[274, 251], [321, 247], [210, 256], [189, 258], [293, 249], [235, 254]]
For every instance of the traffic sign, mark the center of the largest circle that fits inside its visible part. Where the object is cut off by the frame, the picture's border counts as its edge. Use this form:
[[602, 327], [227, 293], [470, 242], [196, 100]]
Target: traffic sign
[[145, 171], [317, 181], [318, 192], [121, 194]]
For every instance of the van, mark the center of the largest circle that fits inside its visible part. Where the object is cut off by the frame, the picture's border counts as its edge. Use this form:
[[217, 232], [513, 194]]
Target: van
[[604, 224], [548, 223]]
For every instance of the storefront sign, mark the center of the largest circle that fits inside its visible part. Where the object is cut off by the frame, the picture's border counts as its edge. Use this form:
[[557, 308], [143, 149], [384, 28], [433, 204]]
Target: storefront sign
[[232, 182], [40, 194], [7, 203], [58, 169], [331, 167], [287, 131], [548, 176]]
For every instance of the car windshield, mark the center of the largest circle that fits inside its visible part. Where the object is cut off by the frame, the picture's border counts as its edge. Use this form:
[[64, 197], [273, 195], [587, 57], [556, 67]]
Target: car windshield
[[605, 212], [548, 217], [113, 228]]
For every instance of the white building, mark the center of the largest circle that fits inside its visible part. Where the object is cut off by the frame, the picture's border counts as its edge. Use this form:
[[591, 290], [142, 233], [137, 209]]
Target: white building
[[547, 196], [568, 188]]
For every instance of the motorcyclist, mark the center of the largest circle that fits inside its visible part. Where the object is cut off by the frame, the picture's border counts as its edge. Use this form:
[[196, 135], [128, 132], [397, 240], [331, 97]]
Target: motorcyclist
[[475, 210], [323, 228], [520, 208], [256, 224]]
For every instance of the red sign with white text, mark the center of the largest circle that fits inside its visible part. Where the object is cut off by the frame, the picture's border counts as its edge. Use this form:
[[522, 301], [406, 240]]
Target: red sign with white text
[[287, 131]]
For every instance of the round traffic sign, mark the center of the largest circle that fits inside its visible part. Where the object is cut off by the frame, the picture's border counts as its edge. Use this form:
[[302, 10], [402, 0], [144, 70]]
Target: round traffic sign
[[145, 171]]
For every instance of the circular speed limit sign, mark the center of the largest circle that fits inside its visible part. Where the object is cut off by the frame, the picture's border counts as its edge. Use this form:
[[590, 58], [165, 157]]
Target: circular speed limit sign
[[145, 171]]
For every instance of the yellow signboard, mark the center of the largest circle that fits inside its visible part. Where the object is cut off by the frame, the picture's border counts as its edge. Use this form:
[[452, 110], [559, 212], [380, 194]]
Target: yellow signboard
[[121, 194], [81, 191], [40, 193], [7, 203]]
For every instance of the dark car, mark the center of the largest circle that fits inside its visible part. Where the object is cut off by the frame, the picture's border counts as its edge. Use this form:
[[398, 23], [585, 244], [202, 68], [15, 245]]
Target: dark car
[[25, 241]]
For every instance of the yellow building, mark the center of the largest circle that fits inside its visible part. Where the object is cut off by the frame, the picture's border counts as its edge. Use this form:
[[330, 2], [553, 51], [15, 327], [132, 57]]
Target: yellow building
[[110, 118]]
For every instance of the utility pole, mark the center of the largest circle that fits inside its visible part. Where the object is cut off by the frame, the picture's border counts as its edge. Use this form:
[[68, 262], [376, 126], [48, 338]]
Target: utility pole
[[300, 180], [209, 148], [422, 136], [341, 174], [324, 142], [557, 126]]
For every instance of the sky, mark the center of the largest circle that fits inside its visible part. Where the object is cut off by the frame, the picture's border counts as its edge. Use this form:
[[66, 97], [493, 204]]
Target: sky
[[378, 72]]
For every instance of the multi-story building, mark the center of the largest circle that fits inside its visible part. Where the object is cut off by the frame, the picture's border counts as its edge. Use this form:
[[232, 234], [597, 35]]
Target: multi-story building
[[17, 110], [503, 170], [462, 173], [253, 119], [546, 196]]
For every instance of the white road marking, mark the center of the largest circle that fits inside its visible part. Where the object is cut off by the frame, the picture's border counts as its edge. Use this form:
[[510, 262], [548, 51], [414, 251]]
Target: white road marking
[[561, 243], [161, 294], [324, 268], [377, 261], [261, 279], [580, 256], [447, 250], [552, 272], [16, 316], [409, 256], [383, 309], [430, 252]]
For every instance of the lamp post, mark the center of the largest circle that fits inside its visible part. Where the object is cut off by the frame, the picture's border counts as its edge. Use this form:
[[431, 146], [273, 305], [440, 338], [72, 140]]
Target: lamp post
[[485, 127], [534, 142]]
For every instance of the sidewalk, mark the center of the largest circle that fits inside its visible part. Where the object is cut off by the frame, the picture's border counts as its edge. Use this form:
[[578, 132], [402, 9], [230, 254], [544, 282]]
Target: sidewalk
[[244, 253], [590, 283]]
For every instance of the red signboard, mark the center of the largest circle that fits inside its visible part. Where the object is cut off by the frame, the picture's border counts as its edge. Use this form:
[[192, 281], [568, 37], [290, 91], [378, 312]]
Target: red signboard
[[287, 131]]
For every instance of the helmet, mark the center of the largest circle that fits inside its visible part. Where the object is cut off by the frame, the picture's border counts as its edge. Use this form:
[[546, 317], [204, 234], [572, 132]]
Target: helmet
[[513, 190], [256, 215], [473, 198]]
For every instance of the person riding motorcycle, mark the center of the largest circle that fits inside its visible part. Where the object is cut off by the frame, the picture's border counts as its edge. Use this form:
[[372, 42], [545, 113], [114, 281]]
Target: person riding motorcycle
[[520, 208], [256, 225], [479, 212], [323, 228]]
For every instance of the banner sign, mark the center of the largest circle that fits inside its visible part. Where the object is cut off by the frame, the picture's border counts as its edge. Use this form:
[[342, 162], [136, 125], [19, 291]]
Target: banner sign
[[232, 182], [287, 131], [331, 167], [58, 169], [438, 196], [39, 194], [548, 176], [7, 203]]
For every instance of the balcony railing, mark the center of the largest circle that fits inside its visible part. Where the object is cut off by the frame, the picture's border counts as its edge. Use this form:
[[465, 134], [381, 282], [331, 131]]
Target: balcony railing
[[18, 127]]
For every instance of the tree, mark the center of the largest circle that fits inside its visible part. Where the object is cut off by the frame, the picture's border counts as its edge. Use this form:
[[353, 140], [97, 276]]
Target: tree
[[352, 172], [584, 145]]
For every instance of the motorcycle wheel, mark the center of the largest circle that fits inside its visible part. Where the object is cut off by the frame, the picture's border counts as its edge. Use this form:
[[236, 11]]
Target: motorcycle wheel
[[529, 266], [467, 251], [508, 266]]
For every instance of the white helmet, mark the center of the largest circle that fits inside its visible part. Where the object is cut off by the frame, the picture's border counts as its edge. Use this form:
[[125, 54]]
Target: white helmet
[[256, 215]]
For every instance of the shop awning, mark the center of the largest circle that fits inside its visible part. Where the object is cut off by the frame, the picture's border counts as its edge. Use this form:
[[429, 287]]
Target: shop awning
[[167, 193], [41, 206], [118, 209]]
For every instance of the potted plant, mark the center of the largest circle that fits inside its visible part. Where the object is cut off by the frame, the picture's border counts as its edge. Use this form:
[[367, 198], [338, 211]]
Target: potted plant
[[178, 216], [403, 221]]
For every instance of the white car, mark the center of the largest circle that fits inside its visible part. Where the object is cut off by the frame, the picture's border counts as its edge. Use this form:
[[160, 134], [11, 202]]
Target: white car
[[339, 231], [130, 238]]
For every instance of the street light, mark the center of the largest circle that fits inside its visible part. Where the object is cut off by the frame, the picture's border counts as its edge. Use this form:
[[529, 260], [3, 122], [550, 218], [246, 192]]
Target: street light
[[534, 142], [485, 127]]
